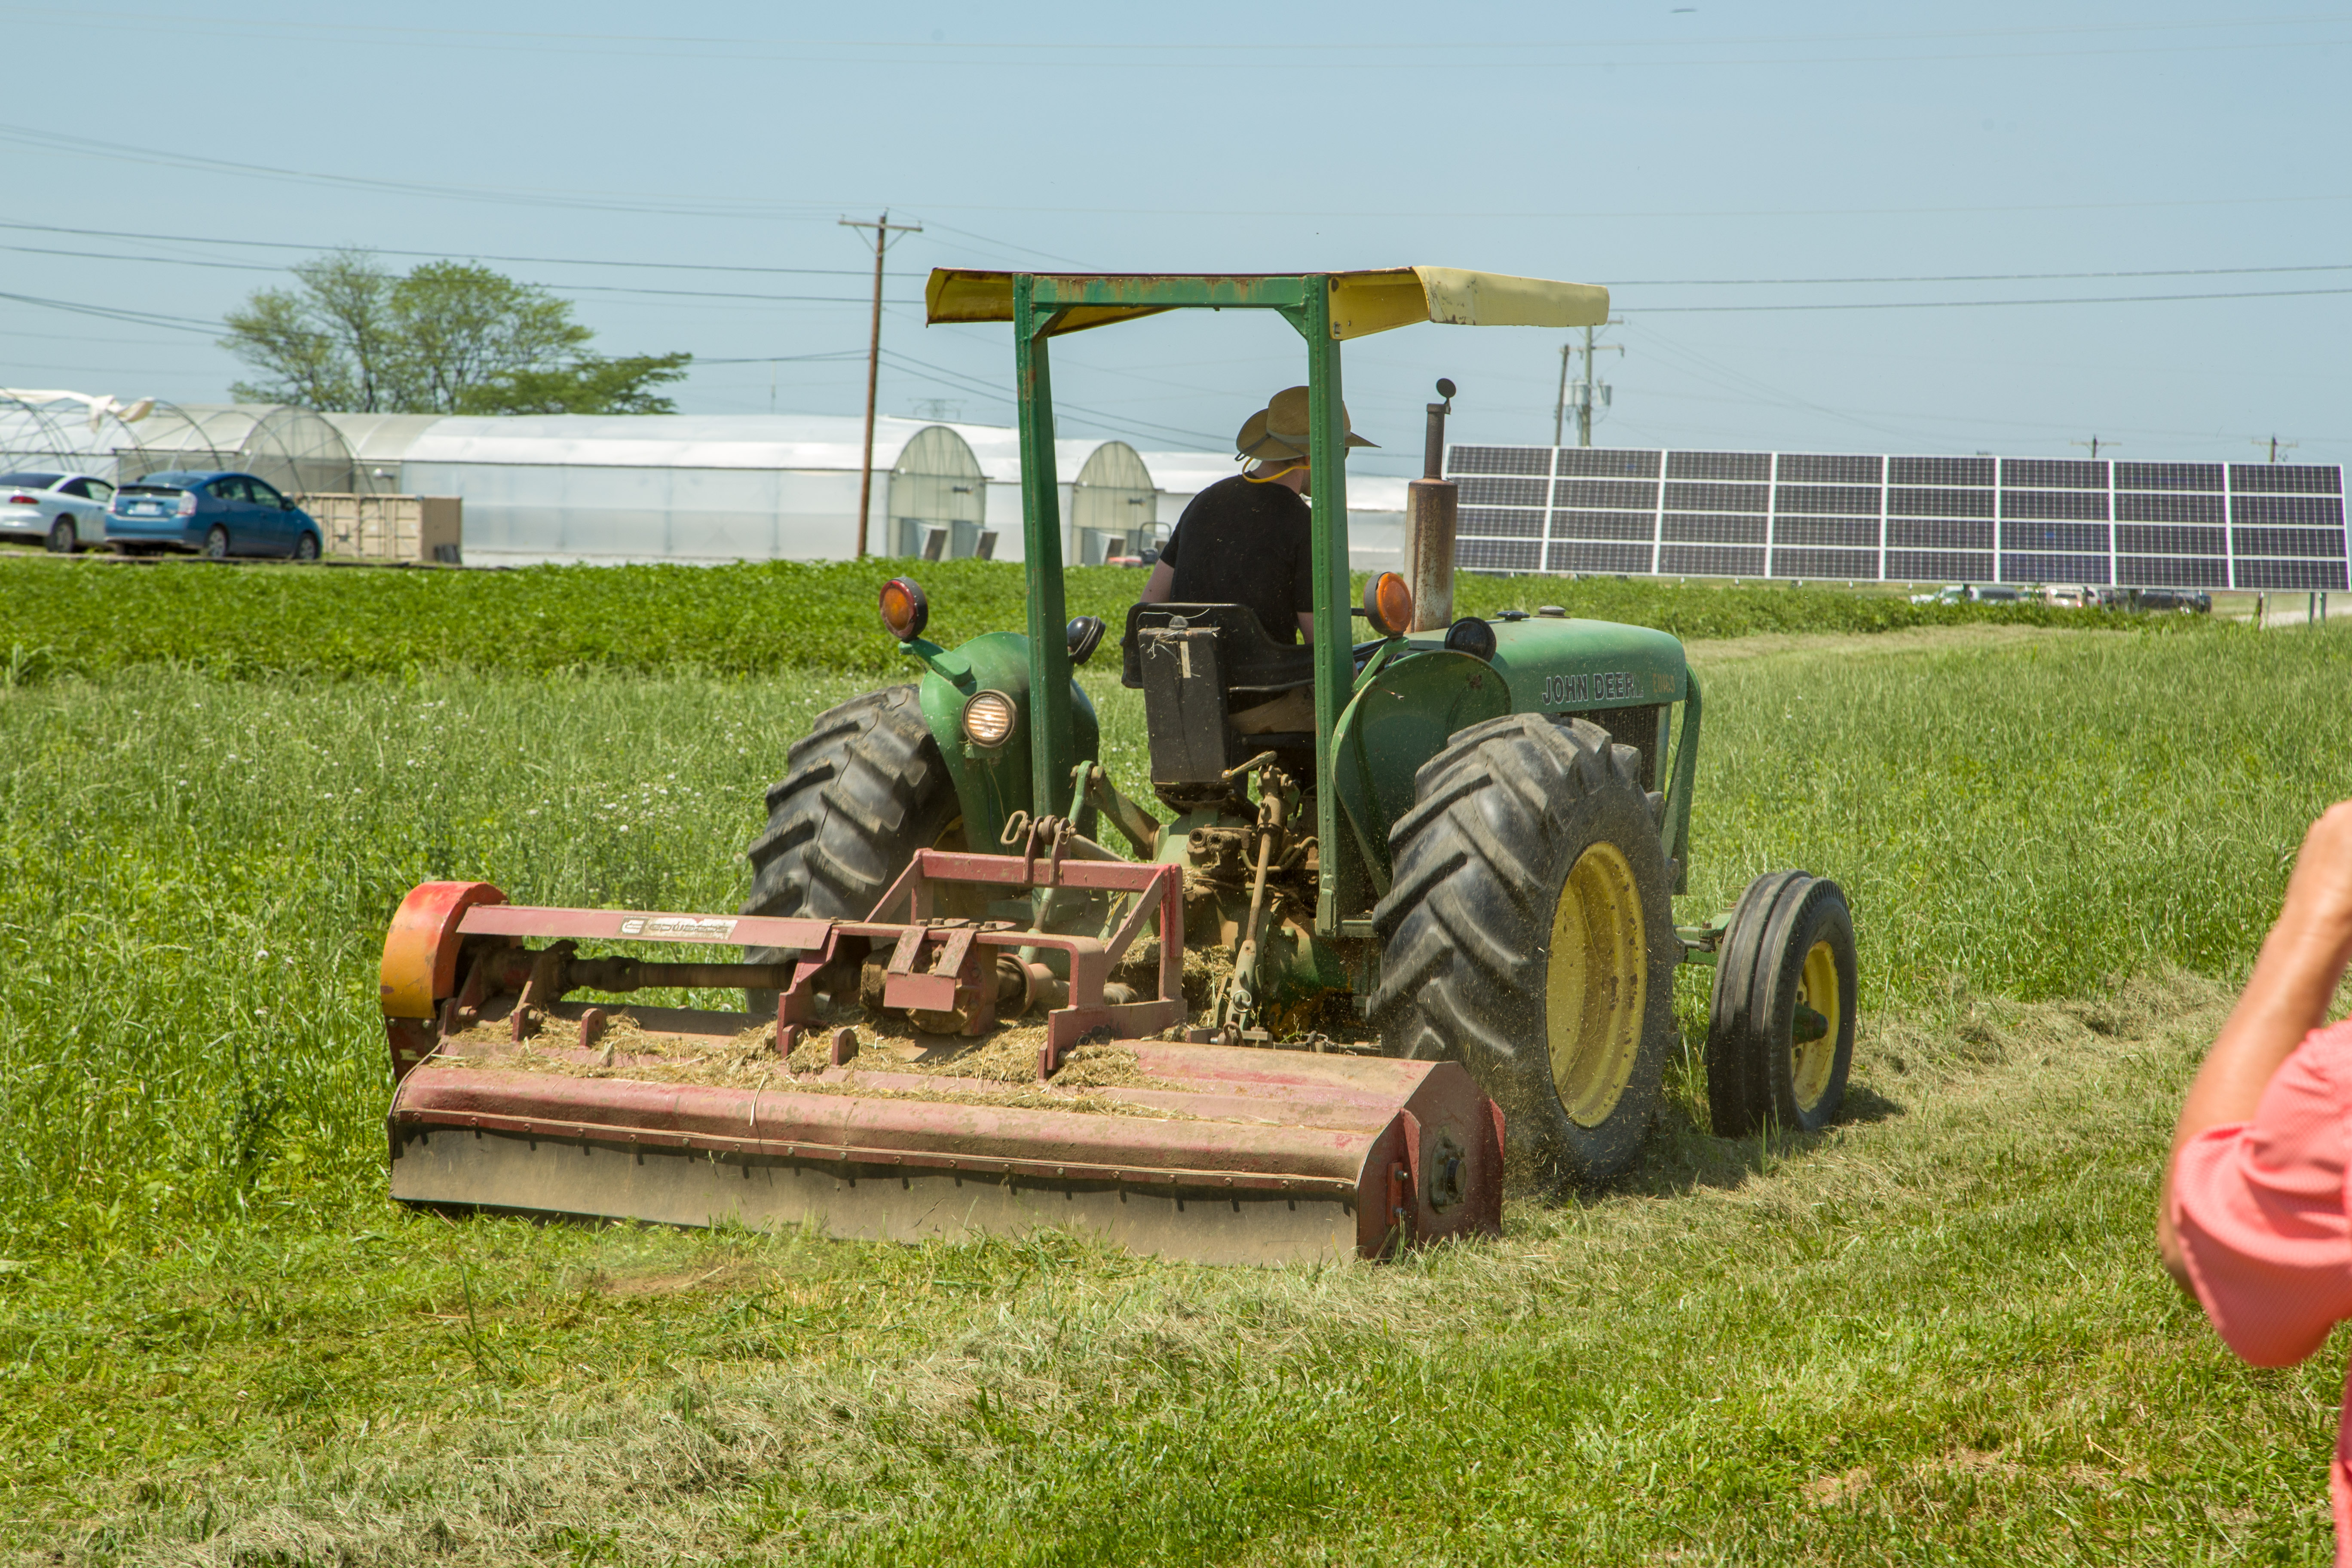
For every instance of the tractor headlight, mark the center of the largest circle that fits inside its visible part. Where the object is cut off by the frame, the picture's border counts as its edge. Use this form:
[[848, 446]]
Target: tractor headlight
[[988, 719]]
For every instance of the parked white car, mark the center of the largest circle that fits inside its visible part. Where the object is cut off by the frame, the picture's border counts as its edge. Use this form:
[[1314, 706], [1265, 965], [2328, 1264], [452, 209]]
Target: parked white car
[[66, 511]]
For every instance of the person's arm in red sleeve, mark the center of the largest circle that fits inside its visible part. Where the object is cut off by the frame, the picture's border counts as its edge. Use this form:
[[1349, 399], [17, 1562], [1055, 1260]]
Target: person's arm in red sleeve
[[2252, 1220]]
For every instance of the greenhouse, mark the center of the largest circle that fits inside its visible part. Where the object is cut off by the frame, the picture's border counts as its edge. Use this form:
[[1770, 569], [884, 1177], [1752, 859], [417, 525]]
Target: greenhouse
[[784, 487], [67, 432], [293, 448], [665, 487]]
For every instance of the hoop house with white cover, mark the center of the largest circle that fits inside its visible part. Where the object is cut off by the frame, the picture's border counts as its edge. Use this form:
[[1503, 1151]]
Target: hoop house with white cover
[[1114, 506], [66, 432], [296, 450], [937, 483]]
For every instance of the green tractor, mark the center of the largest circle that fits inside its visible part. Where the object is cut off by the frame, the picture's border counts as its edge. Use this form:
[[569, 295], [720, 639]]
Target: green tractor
[[1473, 855]]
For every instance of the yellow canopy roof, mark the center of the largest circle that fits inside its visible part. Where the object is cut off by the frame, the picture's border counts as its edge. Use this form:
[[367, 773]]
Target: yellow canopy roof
[[1361, 302]]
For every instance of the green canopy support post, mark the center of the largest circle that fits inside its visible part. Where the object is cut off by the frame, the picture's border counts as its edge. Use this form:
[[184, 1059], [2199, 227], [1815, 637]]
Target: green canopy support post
[[1335, 669], [1052, 746]]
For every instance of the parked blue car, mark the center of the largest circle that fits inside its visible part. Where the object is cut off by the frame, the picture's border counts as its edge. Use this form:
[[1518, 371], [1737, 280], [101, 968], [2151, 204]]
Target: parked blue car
[[214, 513]]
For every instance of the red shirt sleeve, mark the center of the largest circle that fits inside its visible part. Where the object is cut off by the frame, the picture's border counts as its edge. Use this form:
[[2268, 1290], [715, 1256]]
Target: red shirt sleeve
[[2260, 1209]]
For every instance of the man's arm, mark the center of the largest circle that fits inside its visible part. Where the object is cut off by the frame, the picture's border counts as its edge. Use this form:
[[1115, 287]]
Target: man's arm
[[1306, 627], [1158, 585], [2295, 978]]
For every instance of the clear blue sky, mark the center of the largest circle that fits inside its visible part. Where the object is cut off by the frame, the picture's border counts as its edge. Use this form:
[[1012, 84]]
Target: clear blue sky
[[1670, 153]]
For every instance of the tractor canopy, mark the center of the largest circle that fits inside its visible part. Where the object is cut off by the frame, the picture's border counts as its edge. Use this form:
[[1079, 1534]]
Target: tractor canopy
[[1363, 303]]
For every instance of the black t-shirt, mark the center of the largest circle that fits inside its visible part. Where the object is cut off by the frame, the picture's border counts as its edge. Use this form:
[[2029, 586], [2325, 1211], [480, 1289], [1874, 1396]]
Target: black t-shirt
[[1240, 544]]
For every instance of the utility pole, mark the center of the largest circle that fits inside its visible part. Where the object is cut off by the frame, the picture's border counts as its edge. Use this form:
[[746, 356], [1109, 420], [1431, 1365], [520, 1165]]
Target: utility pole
[[2095, 444], [1584, 405], [883, 229], [1559, 410], [2278, 445]]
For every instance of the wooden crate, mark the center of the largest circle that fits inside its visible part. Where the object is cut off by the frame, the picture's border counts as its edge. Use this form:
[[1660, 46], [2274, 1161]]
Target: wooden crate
[[391, 528]]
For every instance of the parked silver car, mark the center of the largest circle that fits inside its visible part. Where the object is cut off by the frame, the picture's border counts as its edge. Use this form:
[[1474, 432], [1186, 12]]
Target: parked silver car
[[66, 511]]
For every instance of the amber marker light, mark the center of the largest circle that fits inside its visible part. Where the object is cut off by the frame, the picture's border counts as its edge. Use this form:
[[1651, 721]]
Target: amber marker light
[[1388, 604], [988, 719], [905, 611]]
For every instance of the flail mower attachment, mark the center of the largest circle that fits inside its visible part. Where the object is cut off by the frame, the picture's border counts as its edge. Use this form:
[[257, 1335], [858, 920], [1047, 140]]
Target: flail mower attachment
[[511, 1098]]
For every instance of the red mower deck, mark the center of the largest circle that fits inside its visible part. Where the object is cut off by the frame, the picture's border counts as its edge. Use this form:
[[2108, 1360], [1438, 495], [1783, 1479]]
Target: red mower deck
[[1208, 1153]]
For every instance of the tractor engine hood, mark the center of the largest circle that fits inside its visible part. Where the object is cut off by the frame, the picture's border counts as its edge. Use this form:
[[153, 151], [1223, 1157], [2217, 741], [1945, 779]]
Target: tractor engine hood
[[1557, 666]]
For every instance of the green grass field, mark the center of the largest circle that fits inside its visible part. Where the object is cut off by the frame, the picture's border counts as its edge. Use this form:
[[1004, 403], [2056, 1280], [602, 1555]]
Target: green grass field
[[1937, 1333], [94, 615]]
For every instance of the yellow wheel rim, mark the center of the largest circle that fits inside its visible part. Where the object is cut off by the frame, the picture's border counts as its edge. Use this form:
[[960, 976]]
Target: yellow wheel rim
[[1597, 982], [1810, 1061]]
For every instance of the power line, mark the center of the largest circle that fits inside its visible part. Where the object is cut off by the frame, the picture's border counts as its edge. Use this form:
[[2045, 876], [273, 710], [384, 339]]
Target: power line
[[1333, 47], [82, 146], [1265, 56], [1982, 304], [949, 228], [89, 147], [108, 312], [1101, 419], [573, 287], [1649, 310], [437, 255], [784, 359], [1970, 277]]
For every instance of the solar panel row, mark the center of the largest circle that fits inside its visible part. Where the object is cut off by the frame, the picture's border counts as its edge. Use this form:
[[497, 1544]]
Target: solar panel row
[[1982, 520]]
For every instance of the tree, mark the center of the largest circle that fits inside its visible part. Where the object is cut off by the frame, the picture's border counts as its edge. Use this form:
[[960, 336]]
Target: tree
[[589, 385], [330, 345], [446, 337]]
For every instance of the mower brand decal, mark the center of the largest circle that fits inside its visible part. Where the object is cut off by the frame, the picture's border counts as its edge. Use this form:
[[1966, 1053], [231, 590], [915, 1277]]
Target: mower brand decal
[[1599, 687], [710, 926]]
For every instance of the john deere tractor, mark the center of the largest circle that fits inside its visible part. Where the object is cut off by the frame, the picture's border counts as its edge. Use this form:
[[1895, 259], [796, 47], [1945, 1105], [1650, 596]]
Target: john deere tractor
[[1472, 856]]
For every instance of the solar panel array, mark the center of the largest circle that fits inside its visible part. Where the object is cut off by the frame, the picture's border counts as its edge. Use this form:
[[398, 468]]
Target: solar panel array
[[1967, 519]]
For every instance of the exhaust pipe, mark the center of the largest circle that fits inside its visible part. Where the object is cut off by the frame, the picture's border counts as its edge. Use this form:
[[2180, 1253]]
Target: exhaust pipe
[[1429, 524]]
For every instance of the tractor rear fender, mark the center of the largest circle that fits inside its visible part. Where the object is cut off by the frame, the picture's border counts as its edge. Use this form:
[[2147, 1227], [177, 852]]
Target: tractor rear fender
[[1405, 713], [1561, 667], [992, 782], [1399, 718]]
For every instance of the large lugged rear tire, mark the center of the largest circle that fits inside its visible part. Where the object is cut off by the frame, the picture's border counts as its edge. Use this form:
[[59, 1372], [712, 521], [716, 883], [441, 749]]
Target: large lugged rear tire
[[1528, 933], [1788, 955], [863, 792]]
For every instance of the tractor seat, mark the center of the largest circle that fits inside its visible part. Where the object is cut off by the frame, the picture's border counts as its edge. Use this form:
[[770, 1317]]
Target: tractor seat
[[1247, 659], [1196, 665]]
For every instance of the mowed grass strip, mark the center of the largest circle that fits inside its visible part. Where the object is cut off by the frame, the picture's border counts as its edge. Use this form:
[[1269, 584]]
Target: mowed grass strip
[[1937, 1331], [92, 615]]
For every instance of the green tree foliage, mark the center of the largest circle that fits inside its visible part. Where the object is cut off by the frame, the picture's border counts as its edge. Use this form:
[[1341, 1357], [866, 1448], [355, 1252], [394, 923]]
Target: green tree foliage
[[446, 337], [589, 385]]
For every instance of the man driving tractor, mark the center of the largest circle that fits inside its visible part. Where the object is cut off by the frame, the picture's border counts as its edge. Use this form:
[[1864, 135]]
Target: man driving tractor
[[1249, 540]]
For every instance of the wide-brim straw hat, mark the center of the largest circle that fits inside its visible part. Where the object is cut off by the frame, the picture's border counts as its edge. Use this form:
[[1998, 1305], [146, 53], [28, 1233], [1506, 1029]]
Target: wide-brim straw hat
[[1278, 432]]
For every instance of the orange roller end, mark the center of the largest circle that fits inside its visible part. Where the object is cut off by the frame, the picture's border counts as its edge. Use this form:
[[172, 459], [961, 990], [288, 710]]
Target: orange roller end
[[420, 950]]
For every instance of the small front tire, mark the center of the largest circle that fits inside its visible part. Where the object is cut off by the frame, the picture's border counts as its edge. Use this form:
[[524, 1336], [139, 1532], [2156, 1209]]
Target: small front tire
[[1780, 1038], [306, 549]]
